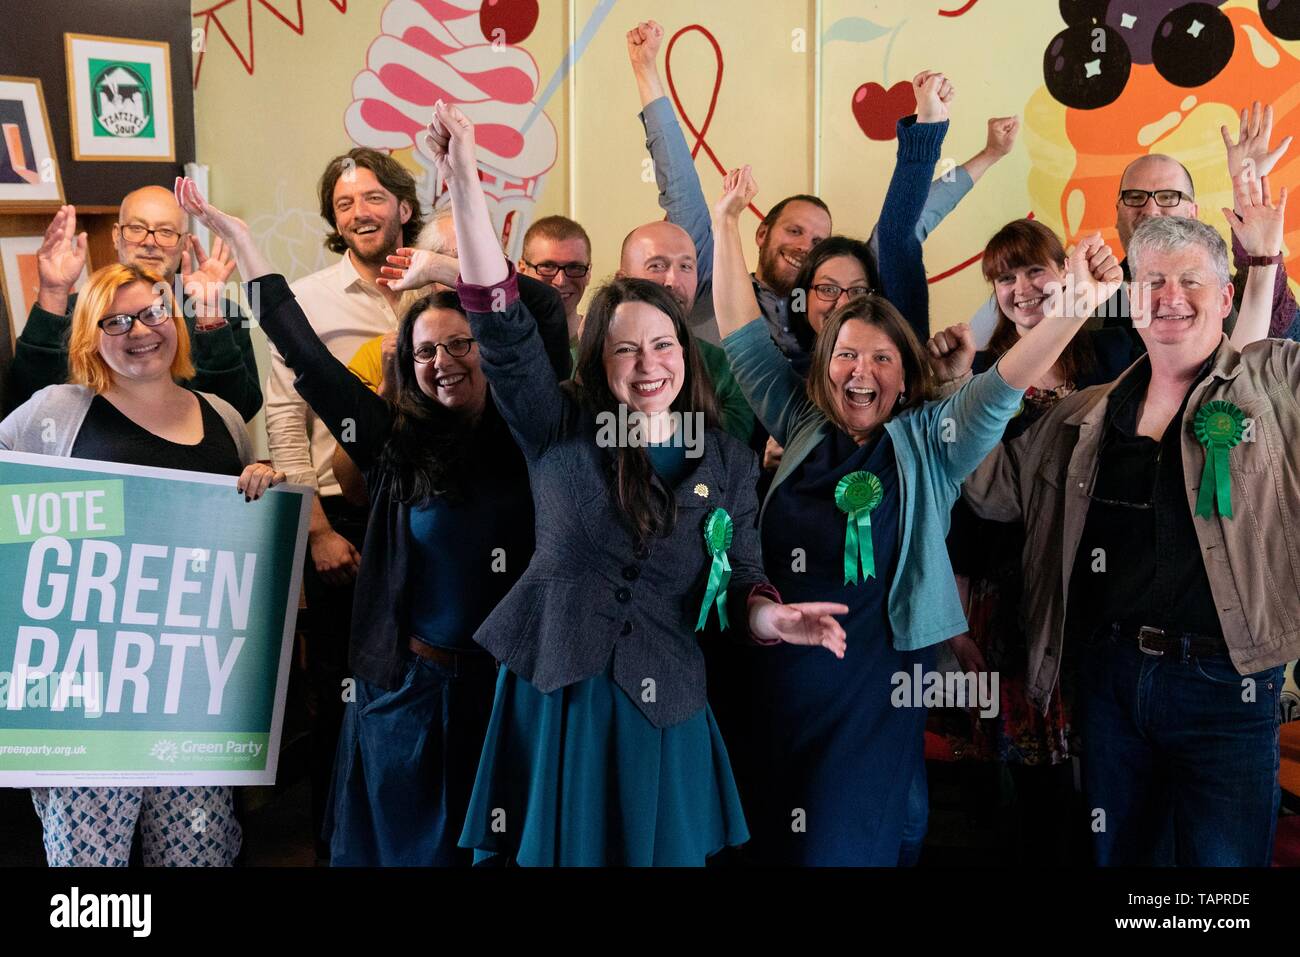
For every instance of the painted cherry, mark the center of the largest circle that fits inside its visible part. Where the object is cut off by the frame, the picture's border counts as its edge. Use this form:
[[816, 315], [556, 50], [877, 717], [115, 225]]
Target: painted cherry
[[878, 110], [515, 19]]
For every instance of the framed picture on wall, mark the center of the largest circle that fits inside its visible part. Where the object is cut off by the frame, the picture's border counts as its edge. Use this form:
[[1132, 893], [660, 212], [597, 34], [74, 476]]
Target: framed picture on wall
[[19, 280], [29, 168], [119, 99]]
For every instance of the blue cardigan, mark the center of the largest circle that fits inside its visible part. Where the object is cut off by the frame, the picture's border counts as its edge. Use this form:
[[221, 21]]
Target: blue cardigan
[[937, 445]]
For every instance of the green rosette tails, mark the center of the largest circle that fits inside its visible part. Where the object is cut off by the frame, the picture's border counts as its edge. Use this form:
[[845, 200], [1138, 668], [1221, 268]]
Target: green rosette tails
[[857, 495], [1219, 427], [718, 532]]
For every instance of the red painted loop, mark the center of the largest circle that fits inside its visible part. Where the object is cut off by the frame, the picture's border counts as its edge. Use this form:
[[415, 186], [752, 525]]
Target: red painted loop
[[965, 265], [957, 13], [700, 141]]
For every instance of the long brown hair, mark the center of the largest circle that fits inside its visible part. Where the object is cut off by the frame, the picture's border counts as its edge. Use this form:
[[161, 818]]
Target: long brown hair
[[1021, 243], [647, 510], [879, 312]]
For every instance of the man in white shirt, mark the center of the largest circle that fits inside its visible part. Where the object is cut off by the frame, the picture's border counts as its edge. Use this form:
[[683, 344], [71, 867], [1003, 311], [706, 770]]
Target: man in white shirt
[[369, 201]]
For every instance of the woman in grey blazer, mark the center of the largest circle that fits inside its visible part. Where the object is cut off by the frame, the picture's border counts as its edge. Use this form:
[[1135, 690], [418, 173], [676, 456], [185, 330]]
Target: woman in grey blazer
[[601, 748]]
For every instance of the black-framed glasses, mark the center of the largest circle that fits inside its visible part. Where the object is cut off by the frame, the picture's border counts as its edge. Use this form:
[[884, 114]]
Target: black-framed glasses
[[1163, 197], [548, 270], [829, 292], [1146, 499], [459, 347], [164, 236], [120, 324]]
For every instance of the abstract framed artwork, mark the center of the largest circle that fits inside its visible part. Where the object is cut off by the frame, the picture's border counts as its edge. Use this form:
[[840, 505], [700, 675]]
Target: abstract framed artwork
[[19, 280], [29, 168], [119, 99]]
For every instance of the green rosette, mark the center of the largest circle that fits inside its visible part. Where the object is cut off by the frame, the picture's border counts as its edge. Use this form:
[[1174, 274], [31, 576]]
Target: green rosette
[[718, 532], [857, 495], [1219, 427]]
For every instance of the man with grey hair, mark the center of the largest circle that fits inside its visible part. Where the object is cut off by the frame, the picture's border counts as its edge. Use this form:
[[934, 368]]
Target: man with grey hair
[[1162, 512], [1157, 186]]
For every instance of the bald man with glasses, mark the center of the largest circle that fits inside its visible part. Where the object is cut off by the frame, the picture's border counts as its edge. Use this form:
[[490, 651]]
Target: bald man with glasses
[[1158, 185], [150, 232]]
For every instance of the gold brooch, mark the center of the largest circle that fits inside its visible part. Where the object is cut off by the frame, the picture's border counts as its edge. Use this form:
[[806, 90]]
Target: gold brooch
[[702, 490]]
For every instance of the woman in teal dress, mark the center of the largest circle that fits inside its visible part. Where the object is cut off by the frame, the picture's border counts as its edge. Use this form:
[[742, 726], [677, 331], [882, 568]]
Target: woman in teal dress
[[601, 748], [872, 466]]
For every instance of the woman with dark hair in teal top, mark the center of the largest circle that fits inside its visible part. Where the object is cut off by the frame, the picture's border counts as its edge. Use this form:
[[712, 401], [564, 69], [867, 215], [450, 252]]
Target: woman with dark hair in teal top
[[601, 748], [858, 511]]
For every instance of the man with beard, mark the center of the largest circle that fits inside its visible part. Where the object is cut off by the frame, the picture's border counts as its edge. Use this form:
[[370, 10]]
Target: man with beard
[[369, 201]]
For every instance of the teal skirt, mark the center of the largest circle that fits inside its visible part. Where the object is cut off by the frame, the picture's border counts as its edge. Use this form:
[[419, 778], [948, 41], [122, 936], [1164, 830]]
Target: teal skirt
[[579, 777]]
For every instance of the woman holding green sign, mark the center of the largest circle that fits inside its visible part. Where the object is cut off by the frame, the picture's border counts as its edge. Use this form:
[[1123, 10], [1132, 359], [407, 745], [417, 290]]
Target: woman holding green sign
[[858, 512], [127, 348], [602, 748]]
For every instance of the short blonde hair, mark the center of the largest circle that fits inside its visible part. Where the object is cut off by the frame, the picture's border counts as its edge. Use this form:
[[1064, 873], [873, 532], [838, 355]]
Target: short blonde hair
[[85, 364]]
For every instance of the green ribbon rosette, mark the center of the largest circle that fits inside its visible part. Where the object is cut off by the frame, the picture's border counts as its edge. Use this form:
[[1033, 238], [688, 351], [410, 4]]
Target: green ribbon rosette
[[857, 495], [718, 531], [1219, 427]]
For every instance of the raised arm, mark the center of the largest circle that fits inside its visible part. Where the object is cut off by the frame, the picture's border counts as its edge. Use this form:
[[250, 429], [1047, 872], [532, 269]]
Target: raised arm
[[774, 390], [1257, 224], [510, 346], [680, 194], [1253, 150], [901, 266]]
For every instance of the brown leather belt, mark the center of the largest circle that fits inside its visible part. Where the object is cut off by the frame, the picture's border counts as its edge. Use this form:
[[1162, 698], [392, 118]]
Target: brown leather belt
[[454, 661], [1157, 641]]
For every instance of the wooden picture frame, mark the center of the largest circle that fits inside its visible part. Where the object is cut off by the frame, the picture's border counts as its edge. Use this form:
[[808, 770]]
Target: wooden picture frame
[[29, 163], [119, 99]]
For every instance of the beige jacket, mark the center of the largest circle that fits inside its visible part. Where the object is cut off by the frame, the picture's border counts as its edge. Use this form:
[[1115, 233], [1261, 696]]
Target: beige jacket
[[1252, 560]]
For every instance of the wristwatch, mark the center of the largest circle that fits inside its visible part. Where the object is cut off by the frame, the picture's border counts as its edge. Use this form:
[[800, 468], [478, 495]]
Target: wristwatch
[[1274, 260]]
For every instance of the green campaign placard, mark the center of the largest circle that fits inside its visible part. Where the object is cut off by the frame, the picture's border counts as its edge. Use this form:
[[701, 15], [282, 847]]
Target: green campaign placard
[[146, 626]]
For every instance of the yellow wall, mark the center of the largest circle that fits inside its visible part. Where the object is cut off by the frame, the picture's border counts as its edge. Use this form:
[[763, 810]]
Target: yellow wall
[[266, 136]]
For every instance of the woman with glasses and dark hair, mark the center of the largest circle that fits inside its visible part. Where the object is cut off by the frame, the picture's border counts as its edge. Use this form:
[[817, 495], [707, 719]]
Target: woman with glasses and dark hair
[[128, 348], [858, 511], [450, 530], [602, 748]]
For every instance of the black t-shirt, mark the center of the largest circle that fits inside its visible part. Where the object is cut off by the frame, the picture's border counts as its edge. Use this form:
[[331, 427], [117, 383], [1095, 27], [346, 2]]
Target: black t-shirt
[[109, 436], [1140, 522]]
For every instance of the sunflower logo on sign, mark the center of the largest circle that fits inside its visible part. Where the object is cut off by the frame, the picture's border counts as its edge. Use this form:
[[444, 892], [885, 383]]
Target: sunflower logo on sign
[[123, 103]]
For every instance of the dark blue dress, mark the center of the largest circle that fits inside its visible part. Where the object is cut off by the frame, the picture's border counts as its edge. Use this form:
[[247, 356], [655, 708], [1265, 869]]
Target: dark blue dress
[[829, 757], [579, 777]]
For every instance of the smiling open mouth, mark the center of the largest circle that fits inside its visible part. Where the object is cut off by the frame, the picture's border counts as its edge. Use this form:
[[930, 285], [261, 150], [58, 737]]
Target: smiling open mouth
[[366, 230], [653, 387], [450, 381], [794, 262], [860, 398], [1027, 304], [144, 350]]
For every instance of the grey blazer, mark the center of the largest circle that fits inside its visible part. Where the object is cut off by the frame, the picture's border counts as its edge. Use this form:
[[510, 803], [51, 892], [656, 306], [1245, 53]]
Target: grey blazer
[[591, 592]]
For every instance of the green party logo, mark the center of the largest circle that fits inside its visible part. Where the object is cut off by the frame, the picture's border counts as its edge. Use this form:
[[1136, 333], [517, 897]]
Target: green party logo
[[122, 98]]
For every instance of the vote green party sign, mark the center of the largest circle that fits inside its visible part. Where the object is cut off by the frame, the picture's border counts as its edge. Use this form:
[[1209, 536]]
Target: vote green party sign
[[146, 624]]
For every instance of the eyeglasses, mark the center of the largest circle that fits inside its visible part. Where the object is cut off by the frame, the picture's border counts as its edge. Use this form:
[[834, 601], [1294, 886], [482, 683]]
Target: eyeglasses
[[426, 352], [164, 236], [1164, 197], [121, 324], [829, 292], [548, 270]]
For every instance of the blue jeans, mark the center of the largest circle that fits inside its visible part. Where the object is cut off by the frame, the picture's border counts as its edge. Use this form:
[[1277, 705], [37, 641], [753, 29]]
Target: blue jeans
[[1180, 757]]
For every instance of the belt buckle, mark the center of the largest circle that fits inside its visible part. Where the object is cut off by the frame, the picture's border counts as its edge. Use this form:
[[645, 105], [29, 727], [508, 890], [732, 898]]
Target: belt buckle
[[1146, 631]]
